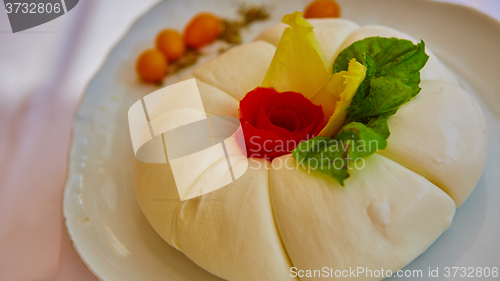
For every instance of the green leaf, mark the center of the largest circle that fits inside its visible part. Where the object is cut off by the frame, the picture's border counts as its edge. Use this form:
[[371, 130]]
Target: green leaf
[[363, 141], [364, 87], [307, 149], [380, 126], [337, 156], [392, 77], [385, 96], [323, 154]]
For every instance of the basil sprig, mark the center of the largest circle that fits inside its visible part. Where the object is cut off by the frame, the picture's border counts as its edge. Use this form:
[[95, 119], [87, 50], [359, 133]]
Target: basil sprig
[[392, 79]]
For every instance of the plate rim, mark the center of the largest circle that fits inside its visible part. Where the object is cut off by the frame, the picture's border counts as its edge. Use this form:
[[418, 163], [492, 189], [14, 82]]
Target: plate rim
[[72, 146], [76, 126]]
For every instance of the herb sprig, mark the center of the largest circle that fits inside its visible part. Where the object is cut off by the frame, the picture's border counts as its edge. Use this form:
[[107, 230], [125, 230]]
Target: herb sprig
[[392, 79]]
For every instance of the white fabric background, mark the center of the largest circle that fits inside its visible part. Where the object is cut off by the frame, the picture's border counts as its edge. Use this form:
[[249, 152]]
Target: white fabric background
[[43, 72]]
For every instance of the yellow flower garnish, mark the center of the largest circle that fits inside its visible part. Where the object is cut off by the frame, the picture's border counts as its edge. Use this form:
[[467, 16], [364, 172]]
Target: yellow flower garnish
[[299, 65], [336, 96]]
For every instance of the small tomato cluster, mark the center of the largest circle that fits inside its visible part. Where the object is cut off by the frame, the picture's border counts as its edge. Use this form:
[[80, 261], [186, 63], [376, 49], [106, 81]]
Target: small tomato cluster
[[204, 28], [153, 64]]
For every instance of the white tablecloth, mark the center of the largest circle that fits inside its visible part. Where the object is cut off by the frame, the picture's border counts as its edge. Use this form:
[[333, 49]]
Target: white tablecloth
[[43, 72]]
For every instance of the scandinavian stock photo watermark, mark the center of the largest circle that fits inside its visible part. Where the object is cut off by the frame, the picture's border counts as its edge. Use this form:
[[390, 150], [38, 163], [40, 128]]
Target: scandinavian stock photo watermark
[[332, 146]]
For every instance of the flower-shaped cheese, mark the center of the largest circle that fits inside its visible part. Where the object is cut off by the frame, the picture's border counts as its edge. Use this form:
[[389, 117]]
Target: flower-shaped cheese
[[279, 216]]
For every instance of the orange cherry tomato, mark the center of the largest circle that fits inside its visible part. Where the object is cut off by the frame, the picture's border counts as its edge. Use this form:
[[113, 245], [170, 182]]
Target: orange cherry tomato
[[152, 66], [322, 9], [171, 44], [202, 30]]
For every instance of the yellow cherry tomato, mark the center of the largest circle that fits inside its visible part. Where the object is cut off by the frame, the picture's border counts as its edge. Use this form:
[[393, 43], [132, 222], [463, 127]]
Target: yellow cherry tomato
[[322, 9], [202, 30], [152, 66], [171, 44]]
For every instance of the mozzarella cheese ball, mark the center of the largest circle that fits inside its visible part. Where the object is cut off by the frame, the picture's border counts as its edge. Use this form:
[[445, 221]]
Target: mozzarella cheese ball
[[279, 215]]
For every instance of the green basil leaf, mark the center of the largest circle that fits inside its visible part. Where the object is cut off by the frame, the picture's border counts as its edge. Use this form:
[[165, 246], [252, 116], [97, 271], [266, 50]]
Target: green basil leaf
[[385, 96], [392, 78], [336, 156], [380, 126], [362, 141]]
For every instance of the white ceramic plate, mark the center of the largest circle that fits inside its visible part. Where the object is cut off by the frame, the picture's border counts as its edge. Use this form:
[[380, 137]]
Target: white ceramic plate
[[114, 239]]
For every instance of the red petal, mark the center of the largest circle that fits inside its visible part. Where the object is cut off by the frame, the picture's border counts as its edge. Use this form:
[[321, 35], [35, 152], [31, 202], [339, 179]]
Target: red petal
[[274, 123], [286, 119], [250, 104]]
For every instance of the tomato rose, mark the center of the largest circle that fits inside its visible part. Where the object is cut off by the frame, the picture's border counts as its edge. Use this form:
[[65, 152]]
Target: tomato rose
[[274, 123]]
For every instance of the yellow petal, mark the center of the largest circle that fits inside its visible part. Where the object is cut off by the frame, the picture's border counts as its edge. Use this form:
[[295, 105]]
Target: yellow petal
[[336, 96], [299, 64]]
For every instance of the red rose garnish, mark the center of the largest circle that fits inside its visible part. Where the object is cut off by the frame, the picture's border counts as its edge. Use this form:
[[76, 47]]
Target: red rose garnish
[[274, 123]]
